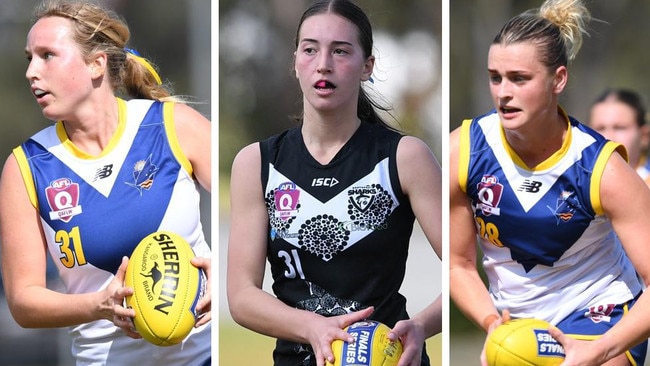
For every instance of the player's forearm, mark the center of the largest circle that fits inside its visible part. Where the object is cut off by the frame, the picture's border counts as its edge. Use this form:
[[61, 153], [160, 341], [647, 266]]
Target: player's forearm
[[470, 295], [430, 318], [39, 307], [631, 330], [262, 312]]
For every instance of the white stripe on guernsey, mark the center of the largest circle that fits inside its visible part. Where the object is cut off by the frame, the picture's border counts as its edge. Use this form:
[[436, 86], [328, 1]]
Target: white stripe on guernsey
[[517, 176], [88, 168], [337, 205]]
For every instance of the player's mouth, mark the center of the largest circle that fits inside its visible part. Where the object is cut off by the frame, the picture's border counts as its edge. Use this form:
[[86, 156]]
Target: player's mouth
[[508, 111], [324, 85], [39, 93]]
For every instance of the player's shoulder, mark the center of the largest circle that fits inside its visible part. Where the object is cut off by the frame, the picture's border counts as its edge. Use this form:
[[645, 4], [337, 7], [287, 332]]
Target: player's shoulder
[[248, 154], [413, 147]]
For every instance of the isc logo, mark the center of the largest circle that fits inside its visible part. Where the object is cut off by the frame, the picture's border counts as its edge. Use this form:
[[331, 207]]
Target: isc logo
[[324, 182]]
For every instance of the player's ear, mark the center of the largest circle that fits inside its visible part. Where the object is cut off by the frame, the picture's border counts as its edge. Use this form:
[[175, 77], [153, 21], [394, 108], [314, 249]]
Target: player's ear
[[560, 79], [368, 67], [97, 65]]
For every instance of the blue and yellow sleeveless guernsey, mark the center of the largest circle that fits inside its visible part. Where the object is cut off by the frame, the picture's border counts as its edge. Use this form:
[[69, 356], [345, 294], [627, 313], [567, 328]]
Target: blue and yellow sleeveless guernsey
[[338, 233], [95, 209], [549, 250]]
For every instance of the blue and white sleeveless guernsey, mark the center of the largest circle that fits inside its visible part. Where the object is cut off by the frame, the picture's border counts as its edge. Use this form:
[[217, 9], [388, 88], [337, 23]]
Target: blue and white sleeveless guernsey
[[549, 250], [338, 233], [96, 209]]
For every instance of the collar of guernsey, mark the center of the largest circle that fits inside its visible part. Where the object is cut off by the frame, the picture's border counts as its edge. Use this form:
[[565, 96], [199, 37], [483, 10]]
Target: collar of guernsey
[[168, 113], [464, 156]]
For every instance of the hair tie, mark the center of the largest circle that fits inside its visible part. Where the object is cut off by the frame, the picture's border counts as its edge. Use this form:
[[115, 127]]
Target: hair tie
[[143, 61]]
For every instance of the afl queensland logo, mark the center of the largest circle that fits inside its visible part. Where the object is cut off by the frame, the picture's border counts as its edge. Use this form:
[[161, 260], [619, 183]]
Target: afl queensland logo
[[489, 195], [63, 198], [286, 200]]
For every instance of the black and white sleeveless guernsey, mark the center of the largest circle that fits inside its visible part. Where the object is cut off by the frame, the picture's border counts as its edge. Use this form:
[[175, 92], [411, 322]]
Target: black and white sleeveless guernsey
[[339, 233]]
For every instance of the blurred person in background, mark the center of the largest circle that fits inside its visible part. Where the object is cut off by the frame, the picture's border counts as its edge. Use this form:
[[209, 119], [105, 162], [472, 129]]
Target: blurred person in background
[[123, 159], [620, 115], [542, 193], [331, 204]]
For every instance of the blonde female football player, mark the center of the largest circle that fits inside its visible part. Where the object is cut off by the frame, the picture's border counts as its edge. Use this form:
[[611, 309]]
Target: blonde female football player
[[542, 193], [337, 251], [88, 188]]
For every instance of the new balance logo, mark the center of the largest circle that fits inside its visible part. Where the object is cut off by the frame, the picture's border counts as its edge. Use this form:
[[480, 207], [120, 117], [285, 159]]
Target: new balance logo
[[103, 172], [530, 186]]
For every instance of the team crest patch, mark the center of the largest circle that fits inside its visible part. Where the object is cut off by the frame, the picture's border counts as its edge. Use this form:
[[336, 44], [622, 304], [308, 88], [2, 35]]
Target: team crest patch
[[489, 193], [143, 174], [565, 207], [368, 208], [362, 198], [63, 198], [285, 199]]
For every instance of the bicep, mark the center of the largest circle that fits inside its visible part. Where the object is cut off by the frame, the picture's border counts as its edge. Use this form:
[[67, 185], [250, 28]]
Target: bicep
[[23, 245], [420, 178], [462, 230], [625, 199], [249, 223]]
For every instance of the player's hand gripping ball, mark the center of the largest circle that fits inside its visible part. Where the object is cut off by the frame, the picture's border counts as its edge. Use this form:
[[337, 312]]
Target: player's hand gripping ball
[[371, 346], [523, 342], [166, 288]]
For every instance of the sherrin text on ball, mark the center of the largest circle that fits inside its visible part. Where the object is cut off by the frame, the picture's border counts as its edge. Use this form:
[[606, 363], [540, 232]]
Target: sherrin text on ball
[[167, 288]]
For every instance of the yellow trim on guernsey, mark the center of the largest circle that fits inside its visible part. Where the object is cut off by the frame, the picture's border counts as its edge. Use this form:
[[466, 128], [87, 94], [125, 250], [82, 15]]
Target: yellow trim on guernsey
[[585, 337], [170, 129], [463, 154], [28, 179], [551, 160], [597, 174], [121, 125]]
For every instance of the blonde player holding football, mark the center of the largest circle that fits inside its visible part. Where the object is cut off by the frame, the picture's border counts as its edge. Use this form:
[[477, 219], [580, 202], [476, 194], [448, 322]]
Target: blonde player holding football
[[542, 192], [88, 188]]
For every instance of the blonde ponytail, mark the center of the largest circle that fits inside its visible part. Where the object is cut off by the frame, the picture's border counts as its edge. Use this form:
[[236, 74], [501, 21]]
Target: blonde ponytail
[[571, 17]]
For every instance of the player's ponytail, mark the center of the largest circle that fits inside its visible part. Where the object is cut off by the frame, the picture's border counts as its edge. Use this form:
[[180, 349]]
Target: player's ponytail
[[556, 28], [571, 17], [141, 79]]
